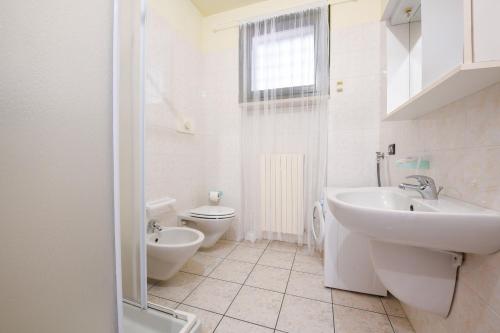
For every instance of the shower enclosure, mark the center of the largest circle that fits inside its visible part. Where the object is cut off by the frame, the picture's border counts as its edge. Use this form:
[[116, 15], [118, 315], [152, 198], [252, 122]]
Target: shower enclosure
[[130, 229]]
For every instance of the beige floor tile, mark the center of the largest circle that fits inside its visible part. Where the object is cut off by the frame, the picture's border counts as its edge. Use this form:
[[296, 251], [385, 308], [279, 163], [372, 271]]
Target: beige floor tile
[[257, 306], [277, 259], [201, 264], [230, 325], [232, 270], [282, 246], [309, 286], [349, 320], [213, 295], [260, 243], [177, 287], [209, 320], [392, 306], [162, 302], [245, 253], [306, 251], [300, 315], [308, 264], [221, 249], [401, 325], [357, 300], [267, 277]]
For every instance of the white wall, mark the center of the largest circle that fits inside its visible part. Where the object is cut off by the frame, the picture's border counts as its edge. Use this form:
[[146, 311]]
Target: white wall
[[204, 86], [56, 180], [174, 162], [354, 113]]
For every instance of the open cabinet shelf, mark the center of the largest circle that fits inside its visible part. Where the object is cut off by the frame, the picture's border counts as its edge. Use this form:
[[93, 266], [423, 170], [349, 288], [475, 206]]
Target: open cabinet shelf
[[462, 81]]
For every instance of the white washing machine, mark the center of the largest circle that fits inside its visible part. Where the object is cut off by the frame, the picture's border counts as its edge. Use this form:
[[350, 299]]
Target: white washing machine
[[347, 262]]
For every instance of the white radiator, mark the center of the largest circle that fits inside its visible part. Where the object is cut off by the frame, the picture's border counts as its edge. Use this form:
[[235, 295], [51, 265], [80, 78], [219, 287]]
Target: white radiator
[[282, 193]]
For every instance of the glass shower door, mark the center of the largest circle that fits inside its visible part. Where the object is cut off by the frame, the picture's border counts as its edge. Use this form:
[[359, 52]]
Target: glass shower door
[[131, 147]]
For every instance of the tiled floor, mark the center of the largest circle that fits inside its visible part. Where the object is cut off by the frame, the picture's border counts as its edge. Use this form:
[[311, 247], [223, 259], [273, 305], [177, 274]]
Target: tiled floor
[[272, 287]]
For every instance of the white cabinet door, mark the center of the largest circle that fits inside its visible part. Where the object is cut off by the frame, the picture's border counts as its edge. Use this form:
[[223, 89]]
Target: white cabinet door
[[442, 38], [486, 30], [398, 66]]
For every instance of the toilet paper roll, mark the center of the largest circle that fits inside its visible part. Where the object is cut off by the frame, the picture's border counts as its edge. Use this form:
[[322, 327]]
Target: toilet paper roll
[[214, 196]]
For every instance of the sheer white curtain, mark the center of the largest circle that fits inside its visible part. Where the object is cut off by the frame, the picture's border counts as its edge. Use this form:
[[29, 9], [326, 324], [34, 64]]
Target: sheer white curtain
[[284, 90]]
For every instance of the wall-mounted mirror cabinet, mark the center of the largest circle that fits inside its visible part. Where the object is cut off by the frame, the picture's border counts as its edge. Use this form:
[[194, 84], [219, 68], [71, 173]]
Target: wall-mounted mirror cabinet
[[438, 52]]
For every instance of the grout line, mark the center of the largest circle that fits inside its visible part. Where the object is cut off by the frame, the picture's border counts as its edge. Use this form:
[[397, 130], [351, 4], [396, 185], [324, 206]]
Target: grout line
[[333, 312], [241, 287], [383, 306], [196, 287], [211, 255], [387, 312], [311, 299], [286, 287], [352, 307], [247, 285], [390, 323], [166, 299], [204, 278], [281, 305], [218, 322], [246, 321]]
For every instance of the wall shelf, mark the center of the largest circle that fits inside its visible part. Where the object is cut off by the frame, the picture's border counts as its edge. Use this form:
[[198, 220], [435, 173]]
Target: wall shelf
[[462, 81]]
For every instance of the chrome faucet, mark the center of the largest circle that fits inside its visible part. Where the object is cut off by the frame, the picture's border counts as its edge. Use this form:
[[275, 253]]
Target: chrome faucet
[[426, 187], [153, 226]]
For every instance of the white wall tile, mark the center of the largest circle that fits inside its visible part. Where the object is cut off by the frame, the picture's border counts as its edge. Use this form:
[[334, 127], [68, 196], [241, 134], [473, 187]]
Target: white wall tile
[[462, 141]]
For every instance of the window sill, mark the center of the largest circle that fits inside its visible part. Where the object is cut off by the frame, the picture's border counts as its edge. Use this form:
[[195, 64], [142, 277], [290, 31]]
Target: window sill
[[285, 102]]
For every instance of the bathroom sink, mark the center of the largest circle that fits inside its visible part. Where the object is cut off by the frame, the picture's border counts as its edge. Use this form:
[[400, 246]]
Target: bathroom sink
[[402, 217]]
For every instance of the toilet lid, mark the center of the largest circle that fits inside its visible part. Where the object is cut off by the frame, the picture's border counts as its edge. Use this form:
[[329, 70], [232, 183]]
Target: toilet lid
[[212, 211]]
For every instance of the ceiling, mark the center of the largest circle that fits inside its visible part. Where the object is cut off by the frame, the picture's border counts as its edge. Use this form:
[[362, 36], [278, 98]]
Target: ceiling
[[210, 7]]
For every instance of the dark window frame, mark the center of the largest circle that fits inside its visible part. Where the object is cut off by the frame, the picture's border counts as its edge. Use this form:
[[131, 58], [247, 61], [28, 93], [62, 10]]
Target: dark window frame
[[281, 23]]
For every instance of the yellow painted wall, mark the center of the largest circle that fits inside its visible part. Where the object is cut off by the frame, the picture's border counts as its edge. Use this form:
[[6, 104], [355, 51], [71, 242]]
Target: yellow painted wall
[[356, 12], [342, 15], [182, 15]]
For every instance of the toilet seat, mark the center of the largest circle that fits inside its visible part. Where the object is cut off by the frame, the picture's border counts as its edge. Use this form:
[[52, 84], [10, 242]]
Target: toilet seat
[[212, 212], [213, 221]]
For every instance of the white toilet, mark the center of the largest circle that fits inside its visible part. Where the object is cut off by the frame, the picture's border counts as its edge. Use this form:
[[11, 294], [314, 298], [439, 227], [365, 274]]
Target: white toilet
[[169, 249], [213, 221]]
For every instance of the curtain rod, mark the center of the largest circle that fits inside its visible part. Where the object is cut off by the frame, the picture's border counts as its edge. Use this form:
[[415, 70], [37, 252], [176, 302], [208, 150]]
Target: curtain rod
[[236, 23]]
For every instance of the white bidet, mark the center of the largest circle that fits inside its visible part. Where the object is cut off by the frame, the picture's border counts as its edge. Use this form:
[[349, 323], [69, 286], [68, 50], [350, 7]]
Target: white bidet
[[169, 249]]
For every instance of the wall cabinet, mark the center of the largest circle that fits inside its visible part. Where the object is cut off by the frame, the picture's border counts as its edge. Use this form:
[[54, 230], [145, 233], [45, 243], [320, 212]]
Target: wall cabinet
[[438, 52]]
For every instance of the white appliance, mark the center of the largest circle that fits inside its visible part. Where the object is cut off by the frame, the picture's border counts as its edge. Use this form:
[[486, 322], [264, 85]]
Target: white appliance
[[347, 261]]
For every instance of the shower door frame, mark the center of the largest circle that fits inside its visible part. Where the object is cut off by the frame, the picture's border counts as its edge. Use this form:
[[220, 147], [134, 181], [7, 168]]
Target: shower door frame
[[118, 34]]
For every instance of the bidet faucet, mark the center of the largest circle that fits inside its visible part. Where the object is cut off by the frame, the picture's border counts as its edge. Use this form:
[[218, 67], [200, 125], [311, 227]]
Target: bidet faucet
[[426, 187], [153, 226]]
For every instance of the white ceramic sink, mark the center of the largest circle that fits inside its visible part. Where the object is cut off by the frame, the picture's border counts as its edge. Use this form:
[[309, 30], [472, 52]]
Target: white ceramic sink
[[447, 224]]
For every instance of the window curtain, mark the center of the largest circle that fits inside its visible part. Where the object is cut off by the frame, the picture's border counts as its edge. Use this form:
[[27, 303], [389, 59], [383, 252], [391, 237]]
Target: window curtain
[[284, 91]]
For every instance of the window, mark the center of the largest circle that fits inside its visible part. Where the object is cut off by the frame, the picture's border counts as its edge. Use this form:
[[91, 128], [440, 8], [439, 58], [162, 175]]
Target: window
[[275, 56], [278, 56]]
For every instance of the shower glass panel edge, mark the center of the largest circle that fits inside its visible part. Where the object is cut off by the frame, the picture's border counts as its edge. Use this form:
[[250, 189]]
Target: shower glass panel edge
[[128, 94]]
